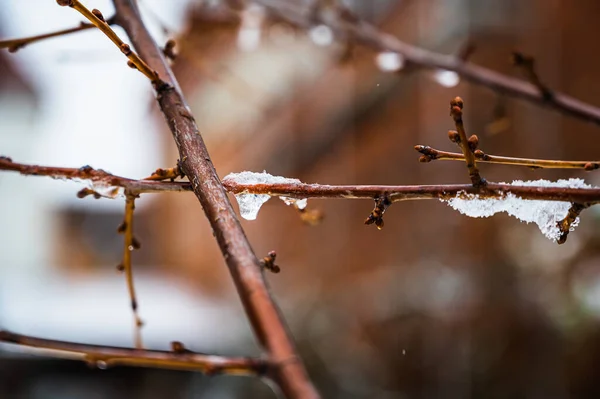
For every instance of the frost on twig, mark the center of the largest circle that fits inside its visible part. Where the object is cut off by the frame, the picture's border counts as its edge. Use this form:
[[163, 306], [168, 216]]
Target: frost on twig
[[546, 214], [250, 203]]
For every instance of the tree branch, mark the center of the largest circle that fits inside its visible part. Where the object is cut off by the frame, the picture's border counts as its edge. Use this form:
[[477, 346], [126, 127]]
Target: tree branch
[[130, 243], [179, 359], [432, 154], [370, 36], [96, 18], [456, 107], [267, 322], [324, 191], [16, 44]]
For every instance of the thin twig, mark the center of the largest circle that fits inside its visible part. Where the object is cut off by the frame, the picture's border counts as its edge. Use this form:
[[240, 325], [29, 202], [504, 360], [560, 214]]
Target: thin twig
[[106, 356], [431, 154], [565, 225], [130, 243], [456, 106], [247, 274], [98, 177], [95, 17], [16, 44], [372, 37]]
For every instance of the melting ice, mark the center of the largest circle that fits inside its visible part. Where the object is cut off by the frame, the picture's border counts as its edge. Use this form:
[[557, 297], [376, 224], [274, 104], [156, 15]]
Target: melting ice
[[546, 214], [250, 203]]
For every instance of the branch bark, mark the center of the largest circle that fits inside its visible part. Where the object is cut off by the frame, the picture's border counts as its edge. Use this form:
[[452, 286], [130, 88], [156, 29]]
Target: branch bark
[[107, 356], [265, 317], [307, 190]]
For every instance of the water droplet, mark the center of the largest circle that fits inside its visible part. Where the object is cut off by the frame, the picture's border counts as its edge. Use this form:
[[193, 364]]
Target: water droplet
[[388, 61], [321, 35], [101, 364], [447, 78]]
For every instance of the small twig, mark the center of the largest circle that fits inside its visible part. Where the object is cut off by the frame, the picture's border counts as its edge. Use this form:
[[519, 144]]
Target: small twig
[[431, 154], [130, 243], [565, 225], [96, 176], [166, 174], [106, 356], [268, 262], [376, 216], [527, 64], [456, 106], [14, 45], [96, 18]]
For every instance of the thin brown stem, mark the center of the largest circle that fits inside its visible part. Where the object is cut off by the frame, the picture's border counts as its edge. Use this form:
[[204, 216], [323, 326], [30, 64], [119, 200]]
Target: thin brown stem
[[431, 154], [565, 225], [106, 356], [95, 17], [98, 177], [16, 44], [456, 106], [247, 274], [130, 243], [370, 36]]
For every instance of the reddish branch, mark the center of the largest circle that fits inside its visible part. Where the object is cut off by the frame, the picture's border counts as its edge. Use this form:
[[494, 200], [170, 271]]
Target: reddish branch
[[431, 154], [306, 190], [369, 35], [16, 44], [266, 319], [179, 359]]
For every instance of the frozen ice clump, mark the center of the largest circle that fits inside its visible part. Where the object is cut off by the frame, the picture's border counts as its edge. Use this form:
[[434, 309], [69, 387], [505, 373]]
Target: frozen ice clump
[[546, 214], [250, 203], [298, 203]]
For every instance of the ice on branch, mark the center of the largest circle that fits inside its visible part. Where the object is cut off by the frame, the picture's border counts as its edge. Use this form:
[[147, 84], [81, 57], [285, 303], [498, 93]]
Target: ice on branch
[[250, 203], [546, 214]]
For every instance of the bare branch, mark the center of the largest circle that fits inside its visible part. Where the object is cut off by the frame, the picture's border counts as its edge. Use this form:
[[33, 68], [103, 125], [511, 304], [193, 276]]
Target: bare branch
[[106, 356], [130, 243], [465, 144], [14, 45], [96, 18], [267, 322], [565, 225], [369, 35], [431, 154], [305, 190], [96, 176]]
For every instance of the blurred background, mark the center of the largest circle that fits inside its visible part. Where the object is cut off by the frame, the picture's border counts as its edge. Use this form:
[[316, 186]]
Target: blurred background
[[436, 305]]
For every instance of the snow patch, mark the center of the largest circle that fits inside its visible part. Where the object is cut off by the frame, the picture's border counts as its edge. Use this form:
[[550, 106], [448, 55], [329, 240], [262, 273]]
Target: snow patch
[[546, 214]]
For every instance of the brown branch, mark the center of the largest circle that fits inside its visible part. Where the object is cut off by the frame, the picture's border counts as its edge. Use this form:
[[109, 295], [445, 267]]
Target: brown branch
[[98, 177], [456, 106], [16, 44], [106, 356], [431, 154], [370, 36], [565, 225], [266, 319], [96, 18], [418, 192], [130, 243], [306, 190]]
